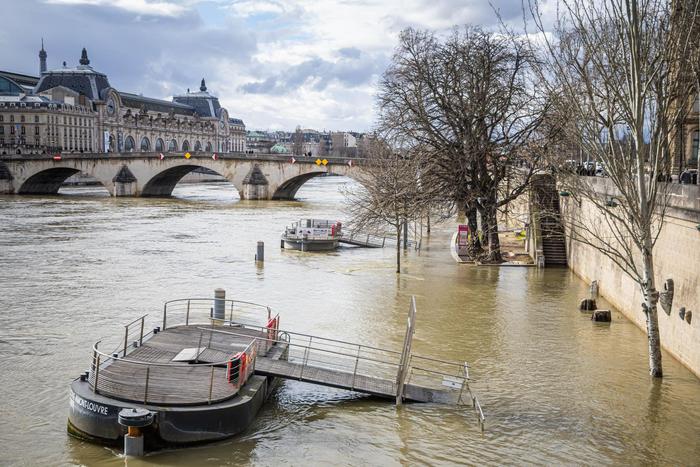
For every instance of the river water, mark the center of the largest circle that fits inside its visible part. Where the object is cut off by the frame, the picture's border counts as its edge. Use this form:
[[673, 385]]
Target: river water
[[556, 388]]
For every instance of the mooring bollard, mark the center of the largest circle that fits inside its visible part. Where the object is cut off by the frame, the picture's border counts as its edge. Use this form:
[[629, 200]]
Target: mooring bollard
[[134, 420], [219, 304], [260, 253]]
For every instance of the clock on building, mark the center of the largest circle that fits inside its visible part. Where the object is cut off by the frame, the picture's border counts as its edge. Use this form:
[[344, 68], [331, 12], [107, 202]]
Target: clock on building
[[110, 106]]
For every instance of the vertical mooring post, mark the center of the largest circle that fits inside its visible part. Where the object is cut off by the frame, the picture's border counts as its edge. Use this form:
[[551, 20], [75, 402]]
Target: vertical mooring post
[[260, 252], [219, 305], [406, 352], [134, 420]]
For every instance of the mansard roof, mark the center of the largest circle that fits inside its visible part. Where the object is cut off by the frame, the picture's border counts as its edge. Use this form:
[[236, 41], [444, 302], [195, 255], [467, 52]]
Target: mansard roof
[[202, 102], [82, 79], [155, 105], [21, 79]]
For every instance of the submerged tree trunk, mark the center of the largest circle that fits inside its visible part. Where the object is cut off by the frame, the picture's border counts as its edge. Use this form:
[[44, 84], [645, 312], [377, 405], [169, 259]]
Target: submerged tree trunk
[[485, 223], [494, 254], [405, 234], [651, 299], [398, 248], [475, 246]]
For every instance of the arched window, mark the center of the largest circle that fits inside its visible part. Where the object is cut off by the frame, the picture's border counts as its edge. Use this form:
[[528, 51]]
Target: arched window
[[145, 144], [159, 145], [197, 146], [185, 146], [172, 145], [693, 159], [209, 147], [129, 144]]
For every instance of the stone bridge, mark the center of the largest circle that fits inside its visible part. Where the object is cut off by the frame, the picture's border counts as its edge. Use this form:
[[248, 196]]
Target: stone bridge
[[255, 176]]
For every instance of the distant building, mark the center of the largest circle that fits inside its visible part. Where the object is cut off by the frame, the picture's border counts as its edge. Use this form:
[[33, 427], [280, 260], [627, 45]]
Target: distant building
[[76, 109], [259, 141], [314, 143], [343, 144]]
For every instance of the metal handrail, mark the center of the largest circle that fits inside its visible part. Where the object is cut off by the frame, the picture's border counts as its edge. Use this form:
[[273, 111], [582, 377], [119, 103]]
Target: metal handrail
[[192, 305], [309, 347], [250, 352], [353, 344]]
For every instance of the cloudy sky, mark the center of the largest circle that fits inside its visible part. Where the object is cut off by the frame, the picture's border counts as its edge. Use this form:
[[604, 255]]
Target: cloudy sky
[[274, 63]]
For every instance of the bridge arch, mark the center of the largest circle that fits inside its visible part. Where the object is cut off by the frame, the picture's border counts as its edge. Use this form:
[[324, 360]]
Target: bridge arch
[[287, 190], [163, 183], [49, 181]]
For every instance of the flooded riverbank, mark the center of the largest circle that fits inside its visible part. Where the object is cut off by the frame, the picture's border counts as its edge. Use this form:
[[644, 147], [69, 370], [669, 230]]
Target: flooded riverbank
[[556, 388]]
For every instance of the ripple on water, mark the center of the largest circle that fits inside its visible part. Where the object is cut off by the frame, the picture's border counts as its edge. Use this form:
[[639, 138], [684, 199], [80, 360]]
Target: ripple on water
[[556, 388]]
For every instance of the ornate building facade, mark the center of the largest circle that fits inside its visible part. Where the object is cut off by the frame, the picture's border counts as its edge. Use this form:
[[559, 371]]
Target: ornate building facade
[[75, 109]]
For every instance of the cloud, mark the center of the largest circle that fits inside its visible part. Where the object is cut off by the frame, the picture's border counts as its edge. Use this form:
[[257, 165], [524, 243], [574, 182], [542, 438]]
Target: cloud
[[273, 63], [351, 70], [160, 8]]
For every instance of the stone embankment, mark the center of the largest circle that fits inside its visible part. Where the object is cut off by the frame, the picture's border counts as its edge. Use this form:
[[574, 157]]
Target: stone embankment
[[676, 257]]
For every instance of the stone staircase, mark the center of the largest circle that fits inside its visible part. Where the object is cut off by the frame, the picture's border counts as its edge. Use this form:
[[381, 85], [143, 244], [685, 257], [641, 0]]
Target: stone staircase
[[546, 198]]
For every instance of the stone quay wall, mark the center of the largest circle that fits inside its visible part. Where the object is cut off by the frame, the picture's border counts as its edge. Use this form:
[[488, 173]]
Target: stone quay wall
[[676, 256]]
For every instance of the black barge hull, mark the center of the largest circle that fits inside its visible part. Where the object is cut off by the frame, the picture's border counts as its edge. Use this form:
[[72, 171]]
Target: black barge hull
[[93, 417]]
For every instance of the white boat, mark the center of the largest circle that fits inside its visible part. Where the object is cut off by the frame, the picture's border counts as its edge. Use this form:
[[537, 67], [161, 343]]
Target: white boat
[[312, 235]]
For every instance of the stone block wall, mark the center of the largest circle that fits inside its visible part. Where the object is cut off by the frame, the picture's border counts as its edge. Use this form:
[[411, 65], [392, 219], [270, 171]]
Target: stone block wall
[[676, 256]]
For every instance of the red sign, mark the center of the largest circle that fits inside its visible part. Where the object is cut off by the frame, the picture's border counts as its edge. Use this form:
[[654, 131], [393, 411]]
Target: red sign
[[215, 157], [57, 157], [463, 228]]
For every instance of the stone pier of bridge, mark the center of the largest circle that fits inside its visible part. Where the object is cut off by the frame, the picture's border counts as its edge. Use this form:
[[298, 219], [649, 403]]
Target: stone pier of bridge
[[255, 176]]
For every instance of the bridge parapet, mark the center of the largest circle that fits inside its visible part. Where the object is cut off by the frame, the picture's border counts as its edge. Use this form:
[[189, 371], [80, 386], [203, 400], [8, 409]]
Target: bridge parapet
[[255, 176]]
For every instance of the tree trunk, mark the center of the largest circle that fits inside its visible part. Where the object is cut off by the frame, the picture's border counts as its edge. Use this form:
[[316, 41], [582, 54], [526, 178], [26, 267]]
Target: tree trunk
[[651, 299], [398, 249], [485, 223], [405, 234], [475, 246], [494, 254]]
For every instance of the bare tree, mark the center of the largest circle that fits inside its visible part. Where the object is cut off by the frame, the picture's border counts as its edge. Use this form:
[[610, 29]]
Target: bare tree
[[469, 103], [391, 192], [615, 66]]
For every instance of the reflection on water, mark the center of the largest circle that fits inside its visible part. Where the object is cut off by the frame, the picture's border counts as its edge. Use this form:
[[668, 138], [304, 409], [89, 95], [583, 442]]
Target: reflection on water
[[556, 387]]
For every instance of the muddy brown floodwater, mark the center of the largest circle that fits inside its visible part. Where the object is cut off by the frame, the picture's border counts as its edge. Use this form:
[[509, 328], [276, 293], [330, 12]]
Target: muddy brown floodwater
[[556, 388]]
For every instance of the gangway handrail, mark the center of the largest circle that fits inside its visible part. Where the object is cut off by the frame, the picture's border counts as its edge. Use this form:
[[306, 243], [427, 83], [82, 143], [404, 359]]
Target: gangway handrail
[[465, 378], [328, 339], [310, 347]]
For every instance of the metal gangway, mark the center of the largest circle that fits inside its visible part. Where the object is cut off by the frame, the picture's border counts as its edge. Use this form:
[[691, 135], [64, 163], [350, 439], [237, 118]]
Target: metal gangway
[[371, 241], [390, 374]]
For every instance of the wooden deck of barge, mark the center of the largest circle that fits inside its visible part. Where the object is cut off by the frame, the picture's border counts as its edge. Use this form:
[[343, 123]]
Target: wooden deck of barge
[[176, 383]]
